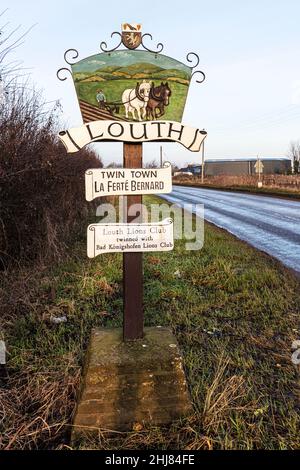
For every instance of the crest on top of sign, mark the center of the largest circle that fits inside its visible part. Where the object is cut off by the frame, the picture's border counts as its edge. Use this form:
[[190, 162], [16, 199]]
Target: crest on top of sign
[[129, 84], [131, 35]]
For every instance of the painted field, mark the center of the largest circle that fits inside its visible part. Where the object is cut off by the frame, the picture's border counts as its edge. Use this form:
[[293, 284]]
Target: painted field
[[134, 80], [113, 90]]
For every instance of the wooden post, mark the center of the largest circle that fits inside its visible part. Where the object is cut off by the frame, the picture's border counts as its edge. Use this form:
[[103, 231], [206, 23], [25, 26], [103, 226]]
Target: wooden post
[[202, 166], [133, 262]]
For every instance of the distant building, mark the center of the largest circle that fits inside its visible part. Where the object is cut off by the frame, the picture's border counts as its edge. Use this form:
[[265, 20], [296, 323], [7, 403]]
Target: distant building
[[183, 172], [241, 167]]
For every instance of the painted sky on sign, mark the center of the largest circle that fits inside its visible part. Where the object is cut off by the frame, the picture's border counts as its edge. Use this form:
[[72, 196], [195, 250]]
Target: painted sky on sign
[[123, 58], [249, 50]]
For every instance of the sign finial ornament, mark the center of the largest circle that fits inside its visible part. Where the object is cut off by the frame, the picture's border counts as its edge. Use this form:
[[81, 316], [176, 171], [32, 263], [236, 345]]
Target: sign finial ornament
[[131, 35]]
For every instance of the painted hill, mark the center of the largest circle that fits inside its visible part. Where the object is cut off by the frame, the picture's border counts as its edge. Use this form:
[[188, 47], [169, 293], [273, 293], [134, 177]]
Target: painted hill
[[130, 69], [171, 73], [134, 71], [108, 69]]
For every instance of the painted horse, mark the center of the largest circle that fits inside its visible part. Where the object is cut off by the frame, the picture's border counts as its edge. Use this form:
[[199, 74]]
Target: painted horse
[[159, 98], [136, 99]]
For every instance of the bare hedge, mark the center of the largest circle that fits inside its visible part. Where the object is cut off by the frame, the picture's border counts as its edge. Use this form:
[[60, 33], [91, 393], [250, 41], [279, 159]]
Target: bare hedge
[[42, 197]]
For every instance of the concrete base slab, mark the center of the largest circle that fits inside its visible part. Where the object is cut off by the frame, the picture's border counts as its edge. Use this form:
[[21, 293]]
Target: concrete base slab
[[128, 385]]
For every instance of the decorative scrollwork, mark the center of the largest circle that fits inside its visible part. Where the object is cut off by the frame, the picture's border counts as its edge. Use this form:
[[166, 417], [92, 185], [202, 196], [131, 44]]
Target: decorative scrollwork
[[59, 76], [104, 48], [74, 56], [103, 45], [202, 73], [194, 59], [159, 46], [191, 60], [73, 53]]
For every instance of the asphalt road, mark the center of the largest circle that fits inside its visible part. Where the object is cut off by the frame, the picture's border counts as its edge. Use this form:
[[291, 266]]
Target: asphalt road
[[268, 223]]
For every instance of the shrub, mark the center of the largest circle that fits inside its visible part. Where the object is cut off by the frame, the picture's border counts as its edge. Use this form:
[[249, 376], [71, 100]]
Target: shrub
[[41, 186]]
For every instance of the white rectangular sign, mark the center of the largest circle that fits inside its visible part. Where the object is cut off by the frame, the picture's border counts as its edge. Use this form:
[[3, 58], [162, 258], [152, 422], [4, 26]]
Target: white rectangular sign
[[124, 181], [259, 166], [129, 238]]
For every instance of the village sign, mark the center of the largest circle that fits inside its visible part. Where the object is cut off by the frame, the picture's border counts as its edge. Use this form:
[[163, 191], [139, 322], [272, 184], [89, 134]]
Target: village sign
[[131, 95]]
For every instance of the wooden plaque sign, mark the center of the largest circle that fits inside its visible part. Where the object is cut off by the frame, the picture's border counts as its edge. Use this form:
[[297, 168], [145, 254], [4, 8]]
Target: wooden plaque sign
[[124, 181], [133, 87], [129, 238], [76, 138]]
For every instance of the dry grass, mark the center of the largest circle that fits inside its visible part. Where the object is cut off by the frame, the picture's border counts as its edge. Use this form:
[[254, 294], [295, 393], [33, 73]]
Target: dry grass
[[36, 406], [223, 397], [235, 315]]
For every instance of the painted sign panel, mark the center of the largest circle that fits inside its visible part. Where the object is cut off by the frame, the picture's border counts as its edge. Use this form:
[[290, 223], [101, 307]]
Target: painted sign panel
[[131, 85], [129, 238], [76, 138], [124, 181]]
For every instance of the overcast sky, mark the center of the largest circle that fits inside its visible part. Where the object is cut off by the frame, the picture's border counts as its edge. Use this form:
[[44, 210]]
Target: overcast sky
[[249, 51]]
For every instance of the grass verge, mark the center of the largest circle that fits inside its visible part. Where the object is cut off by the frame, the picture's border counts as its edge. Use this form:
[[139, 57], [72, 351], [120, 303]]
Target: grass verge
[[234, 311]]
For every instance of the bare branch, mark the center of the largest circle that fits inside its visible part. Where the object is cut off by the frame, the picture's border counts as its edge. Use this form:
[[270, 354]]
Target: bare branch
[[8, 43], [3, 12], [10, 35], [4, 26]]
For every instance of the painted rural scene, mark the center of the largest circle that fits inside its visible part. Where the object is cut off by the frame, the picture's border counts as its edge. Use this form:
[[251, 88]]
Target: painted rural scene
[[132, 86]]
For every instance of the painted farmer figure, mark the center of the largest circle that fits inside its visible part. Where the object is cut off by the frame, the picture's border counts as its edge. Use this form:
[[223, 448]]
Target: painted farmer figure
[[100, 97]]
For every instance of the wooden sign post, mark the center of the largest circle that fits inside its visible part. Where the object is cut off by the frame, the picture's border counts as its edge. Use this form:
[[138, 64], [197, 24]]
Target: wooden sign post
[[131, 97], [133, 318]]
